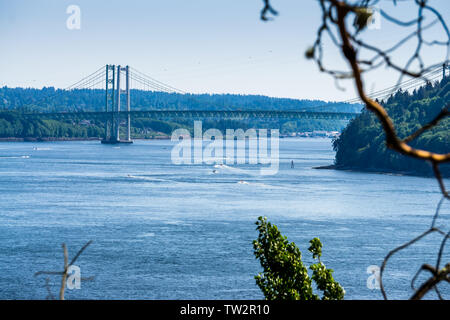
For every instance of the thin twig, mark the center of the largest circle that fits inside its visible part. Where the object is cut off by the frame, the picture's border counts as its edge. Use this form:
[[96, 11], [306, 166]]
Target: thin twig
[[64, 273]]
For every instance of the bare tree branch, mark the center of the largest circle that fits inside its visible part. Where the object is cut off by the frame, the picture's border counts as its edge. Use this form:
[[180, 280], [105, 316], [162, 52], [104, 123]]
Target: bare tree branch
[[335, 15], [64, 273]]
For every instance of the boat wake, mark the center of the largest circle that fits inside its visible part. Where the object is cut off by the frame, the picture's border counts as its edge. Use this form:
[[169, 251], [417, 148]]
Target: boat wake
[[14, 157]]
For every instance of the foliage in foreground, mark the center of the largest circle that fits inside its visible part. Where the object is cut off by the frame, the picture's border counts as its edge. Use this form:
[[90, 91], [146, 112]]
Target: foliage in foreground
[[285, 277]]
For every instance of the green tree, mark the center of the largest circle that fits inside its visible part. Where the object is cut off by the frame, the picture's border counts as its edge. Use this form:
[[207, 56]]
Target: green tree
[[285, 277], [362, 143]]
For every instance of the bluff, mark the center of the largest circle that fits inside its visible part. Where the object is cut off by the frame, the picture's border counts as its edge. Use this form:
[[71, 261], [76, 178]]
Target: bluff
[[361, 145]]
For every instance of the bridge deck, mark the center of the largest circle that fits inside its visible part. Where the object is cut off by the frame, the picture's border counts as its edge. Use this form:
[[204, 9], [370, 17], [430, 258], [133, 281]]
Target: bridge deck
[[216, 114]]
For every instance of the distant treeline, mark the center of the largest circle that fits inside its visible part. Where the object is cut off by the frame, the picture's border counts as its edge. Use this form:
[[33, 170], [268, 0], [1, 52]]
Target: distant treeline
[[49, 99], [16, 101], [362, 143], [14, 124]]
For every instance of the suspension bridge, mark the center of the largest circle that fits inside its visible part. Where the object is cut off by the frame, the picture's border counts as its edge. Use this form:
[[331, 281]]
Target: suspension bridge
[[117, 82]]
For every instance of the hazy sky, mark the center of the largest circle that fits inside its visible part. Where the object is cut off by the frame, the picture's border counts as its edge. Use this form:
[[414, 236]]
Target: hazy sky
[[196, 45]]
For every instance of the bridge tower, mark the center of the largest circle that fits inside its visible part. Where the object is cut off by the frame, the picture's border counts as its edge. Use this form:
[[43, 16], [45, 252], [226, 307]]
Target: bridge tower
[[109, 99], [113, 104]]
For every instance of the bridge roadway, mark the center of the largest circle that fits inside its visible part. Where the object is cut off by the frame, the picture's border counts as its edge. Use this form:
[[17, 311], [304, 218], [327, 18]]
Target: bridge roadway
[[198, 114]]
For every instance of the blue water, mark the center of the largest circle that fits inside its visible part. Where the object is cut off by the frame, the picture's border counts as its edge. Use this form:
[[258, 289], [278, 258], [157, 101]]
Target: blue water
[[165, 231]]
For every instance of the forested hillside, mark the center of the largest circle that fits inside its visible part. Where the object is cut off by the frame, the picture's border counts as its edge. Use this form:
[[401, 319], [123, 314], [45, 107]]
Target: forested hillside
[[14, 124], [16, 101], [56, 100], [362, 143]]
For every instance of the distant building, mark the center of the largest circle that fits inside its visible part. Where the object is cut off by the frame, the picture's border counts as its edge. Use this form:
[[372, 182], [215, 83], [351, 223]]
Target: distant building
[[318, 133]]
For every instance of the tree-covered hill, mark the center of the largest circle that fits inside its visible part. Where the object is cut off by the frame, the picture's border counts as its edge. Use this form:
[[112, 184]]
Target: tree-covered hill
[[15, 125], [49, 99], [16, 101], [362, 143]]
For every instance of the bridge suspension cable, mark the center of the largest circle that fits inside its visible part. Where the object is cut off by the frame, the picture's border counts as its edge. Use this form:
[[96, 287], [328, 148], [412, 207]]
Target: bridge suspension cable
[[81, 83], [152, 82], [387, 92], [96, 80], [405, 85], [148, 84]]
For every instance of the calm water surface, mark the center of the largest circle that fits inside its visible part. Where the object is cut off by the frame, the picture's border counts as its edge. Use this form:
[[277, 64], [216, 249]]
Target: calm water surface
[[164, 231]]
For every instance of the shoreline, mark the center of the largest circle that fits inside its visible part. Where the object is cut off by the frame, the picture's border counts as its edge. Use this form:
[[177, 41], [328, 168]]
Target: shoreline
[[30, 139], [374, 170], [53, 139], [50, 139]]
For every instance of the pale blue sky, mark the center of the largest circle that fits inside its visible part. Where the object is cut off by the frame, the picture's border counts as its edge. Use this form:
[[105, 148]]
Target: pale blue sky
[[196, 45]]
